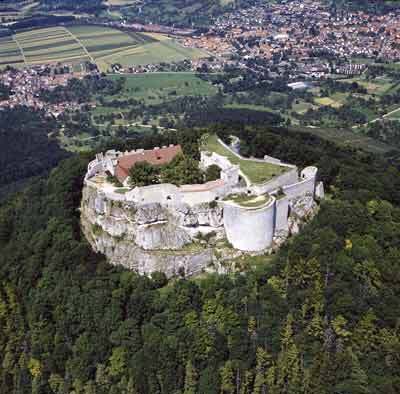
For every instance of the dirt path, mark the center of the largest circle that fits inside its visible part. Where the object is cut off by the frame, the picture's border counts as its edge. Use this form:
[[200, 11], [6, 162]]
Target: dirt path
[[20, 49], [377, 119], [81, 44]]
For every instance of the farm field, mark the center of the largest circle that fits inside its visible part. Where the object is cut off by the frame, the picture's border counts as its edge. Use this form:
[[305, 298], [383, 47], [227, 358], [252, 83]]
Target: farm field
[[100, 44], [10, 53]]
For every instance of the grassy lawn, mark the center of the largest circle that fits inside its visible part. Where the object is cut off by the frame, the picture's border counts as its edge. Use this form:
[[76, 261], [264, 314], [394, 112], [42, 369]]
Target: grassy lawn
[[248, 201], [155, 88], [122, 190], [257, 172], [327, 101]]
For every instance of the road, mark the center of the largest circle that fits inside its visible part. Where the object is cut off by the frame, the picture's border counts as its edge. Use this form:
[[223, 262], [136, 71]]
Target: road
[[376, 119]]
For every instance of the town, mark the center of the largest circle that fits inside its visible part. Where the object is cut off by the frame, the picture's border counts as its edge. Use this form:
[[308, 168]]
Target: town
[[26, 85], [305, 37]]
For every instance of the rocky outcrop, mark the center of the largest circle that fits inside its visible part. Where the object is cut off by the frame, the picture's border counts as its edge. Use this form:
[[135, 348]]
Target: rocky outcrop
[[149, 237], [174, 238]]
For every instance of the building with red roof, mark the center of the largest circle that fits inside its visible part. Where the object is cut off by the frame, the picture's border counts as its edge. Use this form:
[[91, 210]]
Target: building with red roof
[[156, 156]]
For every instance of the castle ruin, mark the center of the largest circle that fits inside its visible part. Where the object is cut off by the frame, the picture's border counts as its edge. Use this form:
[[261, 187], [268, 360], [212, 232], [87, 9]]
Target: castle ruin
[[163, 227]]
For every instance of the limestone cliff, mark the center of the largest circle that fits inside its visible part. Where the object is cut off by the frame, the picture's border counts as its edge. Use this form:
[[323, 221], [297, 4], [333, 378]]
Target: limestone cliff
[[149, 237], [175, 237]]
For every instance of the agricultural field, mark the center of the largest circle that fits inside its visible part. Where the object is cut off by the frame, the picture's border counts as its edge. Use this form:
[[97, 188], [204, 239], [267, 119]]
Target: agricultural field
[[102, 45], [10, 53], [54, 44]]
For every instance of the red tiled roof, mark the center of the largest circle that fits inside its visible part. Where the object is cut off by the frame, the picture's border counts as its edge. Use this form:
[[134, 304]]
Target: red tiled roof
[[153, 156]]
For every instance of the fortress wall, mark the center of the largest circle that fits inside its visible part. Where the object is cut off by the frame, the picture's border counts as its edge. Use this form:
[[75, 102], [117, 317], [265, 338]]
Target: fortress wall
[[281, 214], [249, 229], [199, 197], [288, 177], [268, 159], [94, 167], [300, 188], [273, 160], [163, 193], [214, 158], [114, 196]]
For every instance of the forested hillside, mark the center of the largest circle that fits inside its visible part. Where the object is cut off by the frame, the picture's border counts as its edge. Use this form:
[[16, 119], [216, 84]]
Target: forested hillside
[[25, 149], [321, 316]]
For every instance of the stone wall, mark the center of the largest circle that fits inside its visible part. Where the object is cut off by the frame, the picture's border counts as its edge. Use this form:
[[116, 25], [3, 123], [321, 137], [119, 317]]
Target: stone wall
[[288, 177], [303, 187], [281, 214], [249, 229]]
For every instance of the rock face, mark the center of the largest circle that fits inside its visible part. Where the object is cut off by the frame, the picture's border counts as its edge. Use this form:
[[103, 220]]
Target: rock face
[[175, 238], [149, 237]]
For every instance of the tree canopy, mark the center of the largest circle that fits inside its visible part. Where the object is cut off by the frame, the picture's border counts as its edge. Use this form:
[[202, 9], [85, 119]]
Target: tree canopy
[[319, 316]]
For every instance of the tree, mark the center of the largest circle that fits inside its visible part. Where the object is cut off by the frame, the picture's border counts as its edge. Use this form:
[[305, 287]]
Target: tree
[[143, 174], [227, 378], [190, 379], [213, 172], [181, 170]]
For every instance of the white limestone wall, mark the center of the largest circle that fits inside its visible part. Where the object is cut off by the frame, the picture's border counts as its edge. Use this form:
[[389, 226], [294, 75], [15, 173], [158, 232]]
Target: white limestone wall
[[207, 159], [249, 229], [289, 177], [204, 196], [305, 186], [94, 167], [163, 193], [281, 214]]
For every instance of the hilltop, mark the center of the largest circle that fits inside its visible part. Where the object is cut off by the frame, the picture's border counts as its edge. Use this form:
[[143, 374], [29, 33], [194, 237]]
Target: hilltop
[[70, 322]]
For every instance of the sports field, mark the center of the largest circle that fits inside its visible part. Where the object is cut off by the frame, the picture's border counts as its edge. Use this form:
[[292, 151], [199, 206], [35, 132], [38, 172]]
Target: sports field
[[100, 44]]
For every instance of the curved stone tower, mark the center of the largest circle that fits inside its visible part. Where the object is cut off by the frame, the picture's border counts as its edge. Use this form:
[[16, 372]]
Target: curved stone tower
[[250, 229]]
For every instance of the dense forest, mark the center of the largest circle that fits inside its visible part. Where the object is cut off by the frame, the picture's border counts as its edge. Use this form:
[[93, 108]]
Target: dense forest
[[25, 149], [320, 316]]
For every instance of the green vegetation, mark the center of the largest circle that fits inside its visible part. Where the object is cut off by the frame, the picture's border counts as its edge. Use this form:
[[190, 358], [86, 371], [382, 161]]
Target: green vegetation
[[248, 201], [257, 172], [181, 170], [25, 148], [318, 317], [10, 53], [100, 44], [155, 88], [180, 12], [48, 45]]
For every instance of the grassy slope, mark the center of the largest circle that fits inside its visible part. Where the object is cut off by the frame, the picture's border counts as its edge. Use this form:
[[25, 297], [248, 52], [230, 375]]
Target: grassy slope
[[257, 172]]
